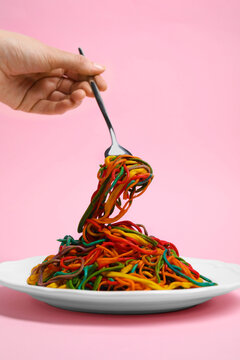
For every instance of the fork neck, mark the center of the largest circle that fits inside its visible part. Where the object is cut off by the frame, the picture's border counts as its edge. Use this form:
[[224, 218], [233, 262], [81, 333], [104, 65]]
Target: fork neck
[[113, 136]]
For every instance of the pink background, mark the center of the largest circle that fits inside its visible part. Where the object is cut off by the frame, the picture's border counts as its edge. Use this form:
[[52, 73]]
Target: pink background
[[174, 82]]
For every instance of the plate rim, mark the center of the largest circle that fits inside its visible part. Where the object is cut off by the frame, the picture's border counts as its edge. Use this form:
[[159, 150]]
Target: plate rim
[[211, 291]]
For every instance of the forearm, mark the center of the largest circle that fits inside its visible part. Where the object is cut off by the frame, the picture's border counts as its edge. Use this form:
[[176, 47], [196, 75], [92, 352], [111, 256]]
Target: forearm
[[3, 88]]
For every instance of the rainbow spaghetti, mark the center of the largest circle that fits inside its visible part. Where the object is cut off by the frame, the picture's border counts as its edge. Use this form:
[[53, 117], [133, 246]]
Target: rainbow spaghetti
[[115, 255]]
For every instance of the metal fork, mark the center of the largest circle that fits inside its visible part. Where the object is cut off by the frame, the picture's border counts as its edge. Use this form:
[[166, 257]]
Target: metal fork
[[115, 148]]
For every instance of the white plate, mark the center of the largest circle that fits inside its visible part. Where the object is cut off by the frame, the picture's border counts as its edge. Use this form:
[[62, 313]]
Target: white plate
[[13, 274]]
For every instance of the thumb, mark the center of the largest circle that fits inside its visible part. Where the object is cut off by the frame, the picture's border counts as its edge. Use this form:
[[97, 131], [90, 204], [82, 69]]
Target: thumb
[[75, 63]]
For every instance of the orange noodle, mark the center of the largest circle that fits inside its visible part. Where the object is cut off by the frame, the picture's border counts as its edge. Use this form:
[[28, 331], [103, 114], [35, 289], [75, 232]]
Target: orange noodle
[[113, 254]]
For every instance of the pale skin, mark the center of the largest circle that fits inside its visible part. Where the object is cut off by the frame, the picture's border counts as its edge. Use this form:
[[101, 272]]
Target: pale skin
[[37, 78]]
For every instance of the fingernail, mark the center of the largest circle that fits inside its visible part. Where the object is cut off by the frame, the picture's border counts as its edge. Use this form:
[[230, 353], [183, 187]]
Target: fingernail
[[98, 67]]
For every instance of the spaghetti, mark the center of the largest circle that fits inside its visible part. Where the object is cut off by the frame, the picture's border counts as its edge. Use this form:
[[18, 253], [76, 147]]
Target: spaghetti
[[112, 254]]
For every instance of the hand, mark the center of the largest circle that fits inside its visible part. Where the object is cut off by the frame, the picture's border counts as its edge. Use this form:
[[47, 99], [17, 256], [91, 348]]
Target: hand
[[40, 79]]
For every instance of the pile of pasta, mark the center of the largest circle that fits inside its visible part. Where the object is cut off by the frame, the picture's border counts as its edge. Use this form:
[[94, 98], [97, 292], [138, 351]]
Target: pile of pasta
[[113, 254]]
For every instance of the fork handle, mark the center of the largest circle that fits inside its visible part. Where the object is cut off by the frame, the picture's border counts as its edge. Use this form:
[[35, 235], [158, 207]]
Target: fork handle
[[101, 105], [98, 97]]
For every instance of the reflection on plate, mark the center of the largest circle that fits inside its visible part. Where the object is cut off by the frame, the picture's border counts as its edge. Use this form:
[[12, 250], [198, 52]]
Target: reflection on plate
[[13, 274]]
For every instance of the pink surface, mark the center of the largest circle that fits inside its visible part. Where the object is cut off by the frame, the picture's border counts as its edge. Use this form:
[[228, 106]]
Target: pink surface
[[174, 84]]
